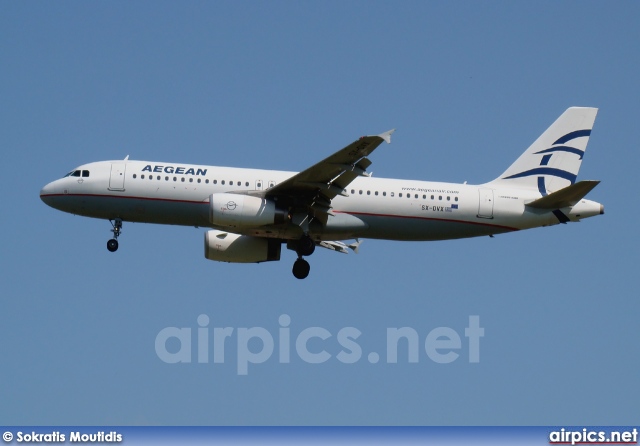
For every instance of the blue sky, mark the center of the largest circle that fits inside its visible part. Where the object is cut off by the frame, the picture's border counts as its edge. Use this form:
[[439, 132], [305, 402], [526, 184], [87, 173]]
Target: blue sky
[[281, 85]]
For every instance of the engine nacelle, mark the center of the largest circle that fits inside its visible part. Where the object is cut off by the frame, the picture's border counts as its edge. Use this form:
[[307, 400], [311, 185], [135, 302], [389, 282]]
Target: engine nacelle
[[243, 210], [235, 248]]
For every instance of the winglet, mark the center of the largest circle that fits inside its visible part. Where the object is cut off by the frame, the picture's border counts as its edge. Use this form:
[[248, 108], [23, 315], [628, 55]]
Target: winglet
[[356, 246], [387, 135]]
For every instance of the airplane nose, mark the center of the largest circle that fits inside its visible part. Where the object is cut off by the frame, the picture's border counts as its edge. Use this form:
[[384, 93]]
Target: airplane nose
[[47, 193]]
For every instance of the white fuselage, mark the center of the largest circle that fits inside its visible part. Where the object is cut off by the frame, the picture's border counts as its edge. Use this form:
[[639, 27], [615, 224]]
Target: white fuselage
[[178, 194]]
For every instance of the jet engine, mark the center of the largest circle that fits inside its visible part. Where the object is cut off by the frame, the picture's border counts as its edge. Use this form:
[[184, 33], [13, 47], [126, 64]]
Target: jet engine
[[243, 210], [235, 248]]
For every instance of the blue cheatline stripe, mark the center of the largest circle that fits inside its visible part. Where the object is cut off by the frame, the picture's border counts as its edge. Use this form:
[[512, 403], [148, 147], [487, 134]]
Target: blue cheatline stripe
[[545, 171], [573, 135], [561, 217], [541, 186], [545, 160], [563, 149]]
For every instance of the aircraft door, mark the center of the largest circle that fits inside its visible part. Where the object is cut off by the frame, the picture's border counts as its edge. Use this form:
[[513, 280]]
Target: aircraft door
[[485, 206], [116, 180]]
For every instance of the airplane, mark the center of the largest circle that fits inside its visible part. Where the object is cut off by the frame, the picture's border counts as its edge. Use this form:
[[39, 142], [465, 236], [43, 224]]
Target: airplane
[[251, 213]]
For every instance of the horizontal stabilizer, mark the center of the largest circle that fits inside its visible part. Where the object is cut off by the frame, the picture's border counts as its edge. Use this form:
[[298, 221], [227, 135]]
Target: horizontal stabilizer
[[568, 196]]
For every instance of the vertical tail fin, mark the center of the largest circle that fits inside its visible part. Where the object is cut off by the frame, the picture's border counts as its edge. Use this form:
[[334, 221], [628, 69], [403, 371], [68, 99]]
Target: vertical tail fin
[[552, 162]]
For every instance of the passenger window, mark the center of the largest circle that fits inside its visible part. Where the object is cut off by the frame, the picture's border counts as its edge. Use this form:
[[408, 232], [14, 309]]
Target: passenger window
[[384, 194], [246, 184], [222, 182], [158, 178], [416, 196], [392, 193], [448, 198], [134, 176], [440, 197], [230, 183], [424, 197], [376, 193], [360, 192], [432, 197], [190, 180], [175, 179], [142, 176], [151, 177], [368, 192], [199, 180], [400, 195], [353, 191], [182, 179], [166, 178], [456, 199]]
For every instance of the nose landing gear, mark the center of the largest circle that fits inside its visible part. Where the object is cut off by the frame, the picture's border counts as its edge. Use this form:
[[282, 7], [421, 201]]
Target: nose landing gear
[[112, 245]]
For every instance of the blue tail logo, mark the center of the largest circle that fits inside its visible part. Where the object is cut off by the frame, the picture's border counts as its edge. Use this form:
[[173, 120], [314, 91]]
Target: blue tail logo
[[557, 146]]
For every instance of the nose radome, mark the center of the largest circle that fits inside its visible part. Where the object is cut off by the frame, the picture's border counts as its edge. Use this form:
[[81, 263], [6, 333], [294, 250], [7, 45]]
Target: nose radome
[[46, 194]]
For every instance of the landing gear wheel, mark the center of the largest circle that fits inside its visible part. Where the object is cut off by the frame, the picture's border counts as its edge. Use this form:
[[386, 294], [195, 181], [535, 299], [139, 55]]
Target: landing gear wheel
[[112, 245], [306, 246], [301, 268]]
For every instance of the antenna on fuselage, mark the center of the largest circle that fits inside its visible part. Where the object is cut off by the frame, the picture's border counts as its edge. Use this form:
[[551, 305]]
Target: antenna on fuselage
[[126, 158]]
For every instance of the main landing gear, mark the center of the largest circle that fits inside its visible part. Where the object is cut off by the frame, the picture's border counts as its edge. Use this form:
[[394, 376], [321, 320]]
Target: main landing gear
[[112, 245], [305, 247]]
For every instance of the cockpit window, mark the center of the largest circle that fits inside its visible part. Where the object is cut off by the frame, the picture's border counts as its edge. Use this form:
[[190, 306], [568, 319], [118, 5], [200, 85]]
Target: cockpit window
[[77, 173]]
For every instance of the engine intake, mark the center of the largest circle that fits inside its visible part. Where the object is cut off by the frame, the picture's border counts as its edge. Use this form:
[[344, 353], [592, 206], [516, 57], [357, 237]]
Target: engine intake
[[234, 210], [235, 248]]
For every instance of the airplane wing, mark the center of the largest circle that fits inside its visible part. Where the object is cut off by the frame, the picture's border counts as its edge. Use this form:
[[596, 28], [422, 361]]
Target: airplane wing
[[341, 246], [315, 187]]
